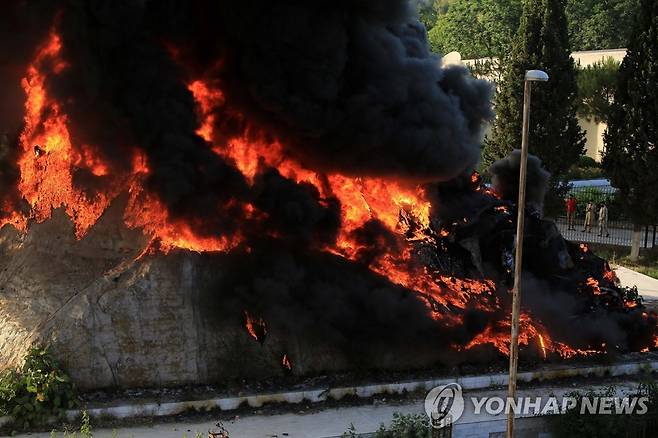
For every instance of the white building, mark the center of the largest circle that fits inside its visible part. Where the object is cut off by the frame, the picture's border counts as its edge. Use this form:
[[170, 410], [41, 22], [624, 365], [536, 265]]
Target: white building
[[594, 131]]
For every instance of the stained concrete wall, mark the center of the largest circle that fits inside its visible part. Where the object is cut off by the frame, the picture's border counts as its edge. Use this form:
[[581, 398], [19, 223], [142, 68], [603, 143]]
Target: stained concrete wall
[[118, 318], [112, 319]]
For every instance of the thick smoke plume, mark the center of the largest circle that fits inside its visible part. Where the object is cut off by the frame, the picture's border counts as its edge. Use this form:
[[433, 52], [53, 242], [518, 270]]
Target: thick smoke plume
[[326, 301], [346, 87], [351, 84], [505, 179]]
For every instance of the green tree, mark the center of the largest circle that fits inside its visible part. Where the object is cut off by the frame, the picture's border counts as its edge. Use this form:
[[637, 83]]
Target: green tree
[[596, 89], [631, 155], [475, 29], [429, 11], [541, 42], [600, 24], [555, 136], [484, 28]]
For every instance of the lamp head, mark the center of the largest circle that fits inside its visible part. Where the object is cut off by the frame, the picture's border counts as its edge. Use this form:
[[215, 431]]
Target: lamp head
[[536, 76]]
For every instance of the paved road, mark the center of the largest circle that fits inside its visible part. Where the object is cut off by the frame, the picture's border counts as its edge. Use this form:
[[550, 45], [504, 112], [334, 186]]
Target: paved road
[[332, 423]]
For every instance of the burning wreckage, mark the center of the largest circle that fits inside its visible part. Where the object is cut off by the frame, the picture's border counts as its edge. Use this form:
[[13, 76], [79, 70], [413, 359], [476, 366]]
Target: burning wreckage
[[186, 201]]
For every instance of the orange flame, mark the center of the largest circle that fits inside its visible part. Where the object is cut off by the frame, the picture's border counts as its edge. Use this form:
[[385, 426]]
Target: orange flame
[[610, 275], [594, 286], [543, 347], [630, 304], [285, 362], [255, 326], [498, 335], [207, 99], [50, 159]]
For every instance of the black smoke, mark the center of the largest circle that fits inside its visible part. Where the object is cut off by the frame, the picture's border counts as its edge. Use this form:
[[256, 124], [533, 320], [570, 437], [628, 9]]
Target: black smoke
[[325, 302], [296, 211], [345, 86], [555, 290], [350, 85], [458, 199], [505, 179]]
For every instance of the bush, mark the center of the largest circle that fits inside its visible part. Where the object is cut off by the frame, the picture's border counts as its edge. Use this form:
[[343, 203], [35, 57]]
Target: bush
[[402, 426], [585, 173], [586, 162], [574, 424], [593, 195], [586, 168], [36, 392]]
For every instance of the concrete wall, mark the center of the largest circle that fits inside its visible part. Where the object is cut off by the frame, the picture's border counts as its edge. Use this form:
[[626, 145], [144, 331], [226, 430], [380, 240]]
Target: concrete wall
[[116, 316]]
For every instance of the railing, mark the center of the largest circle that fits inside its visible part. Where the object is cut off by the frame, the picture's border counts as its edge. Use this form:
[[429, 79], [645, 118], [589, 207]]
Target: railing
[[617, 230], [619, 233]]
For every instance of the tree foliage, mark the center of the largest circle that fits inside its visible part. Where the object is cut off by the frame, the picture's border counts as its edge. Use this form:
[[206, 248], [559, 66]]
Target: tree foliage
[[600, 24], [596, 89], [476, 29], [430, 10], [485, 28], [555, 136], [631, 155]]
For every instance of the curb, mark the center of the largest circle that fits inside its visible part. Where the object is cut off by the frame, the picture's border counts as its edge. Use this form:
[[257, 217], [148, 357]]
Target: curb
[[155, 409]]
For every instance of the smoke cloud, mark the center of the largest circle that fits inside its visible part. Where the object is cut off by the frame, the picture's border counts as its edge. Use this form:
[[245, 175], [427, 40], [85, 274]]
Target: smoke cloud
[[346, 87], [505, 179]]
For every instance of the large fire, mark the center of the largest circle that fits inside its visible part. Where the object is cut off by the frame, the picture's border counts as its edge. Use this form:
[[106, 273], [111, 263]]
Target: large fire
[[50, 160]]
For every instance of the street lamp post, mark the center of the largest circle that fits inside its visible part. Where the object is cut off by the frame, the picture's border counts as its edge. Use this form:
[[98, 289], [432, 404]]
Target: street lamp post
[[530, 77]]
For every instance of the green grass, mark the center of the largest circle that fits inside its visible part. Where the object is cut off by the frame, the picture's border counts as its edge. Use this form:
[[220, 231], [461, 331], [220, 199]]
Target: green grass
[[647, 264]]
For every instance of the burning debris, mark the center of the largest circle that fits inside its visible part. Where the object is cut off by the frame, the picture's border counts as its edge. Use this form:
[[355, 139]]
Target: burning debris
[[285, 362], [219, 432], [256, 327], [330, 172]]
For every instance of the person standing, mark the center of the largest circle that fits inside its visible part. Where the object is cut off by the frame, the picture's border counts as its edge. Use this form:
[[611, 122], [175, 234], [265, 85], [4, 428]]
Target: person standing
[[571, 212], [589, 217], [603, 220]]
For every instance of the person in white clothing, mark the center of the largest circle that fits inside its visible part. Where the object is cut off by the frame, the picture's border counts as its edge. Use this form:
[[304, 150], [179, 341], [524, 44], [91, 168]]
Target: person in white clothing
[[589, 217], [603, 221]]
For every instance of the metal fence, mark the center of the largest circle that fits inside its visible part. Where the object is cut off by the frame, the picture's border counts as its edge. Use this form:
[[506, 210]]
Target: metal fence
[[617, 230]]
